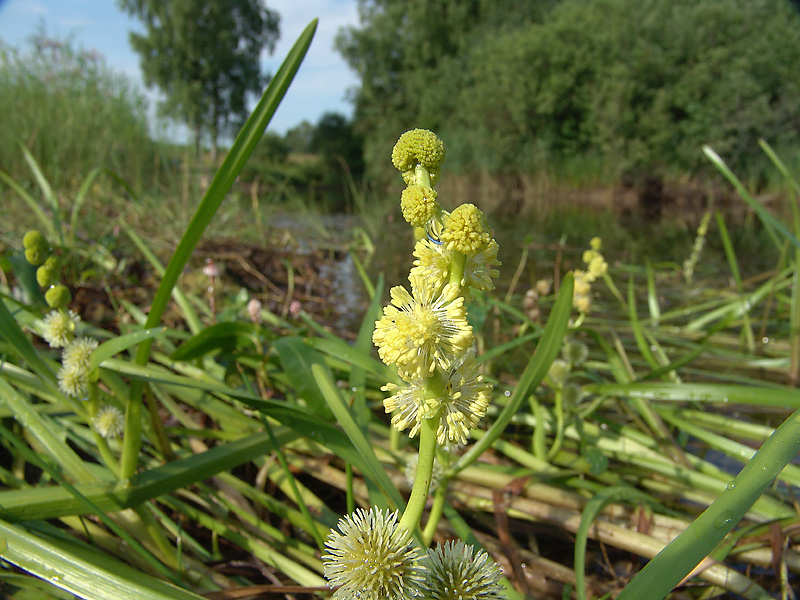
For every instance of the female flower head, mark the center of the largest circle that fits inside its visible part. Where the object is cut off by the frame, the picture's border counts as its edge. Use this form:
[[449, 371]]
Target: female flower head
[[455, 572], [423, 329], [109, 422], [371, 558], [464, 400]]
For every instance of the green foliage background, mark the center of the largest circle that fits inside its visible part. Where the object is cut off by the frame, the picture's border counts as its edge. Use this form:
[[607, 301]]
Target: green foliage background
[[73, 114], [617, 86]]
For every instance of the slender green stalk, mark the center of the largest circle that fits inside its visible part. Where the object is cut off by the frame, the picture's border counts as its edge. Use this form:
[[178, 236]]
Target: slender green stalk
[[684, 553], [435, 515], [457, 264], [422, 479]]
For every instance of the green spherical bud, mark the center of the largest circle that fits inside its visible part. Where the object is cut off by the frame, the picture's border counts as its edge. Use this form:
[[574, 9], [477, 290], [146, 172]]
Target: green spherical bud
[[574, 352], [47, 274], [57, 296], [418, 147], [36, 247]]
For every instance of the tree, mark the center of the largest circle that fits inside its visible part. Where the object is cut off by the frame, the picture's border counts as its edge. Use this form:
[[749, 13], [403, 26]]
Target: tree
[[204, 56]]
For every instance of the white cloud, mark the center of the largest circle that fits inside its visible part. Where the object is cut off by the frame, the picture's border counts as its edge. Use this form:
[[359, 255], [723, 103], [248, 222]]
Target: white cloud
[[36, 9]]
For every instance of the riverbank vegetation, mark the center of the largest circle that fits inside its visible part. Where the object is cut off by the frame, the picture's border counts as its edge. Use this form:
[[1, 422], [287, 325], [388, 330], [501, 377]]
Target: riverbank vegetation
[[190, 399]]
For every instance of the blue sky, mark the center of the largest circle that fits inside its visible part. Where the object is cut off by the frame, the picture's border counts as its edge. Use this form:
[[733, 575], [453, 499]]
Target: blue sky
[[321, 83]]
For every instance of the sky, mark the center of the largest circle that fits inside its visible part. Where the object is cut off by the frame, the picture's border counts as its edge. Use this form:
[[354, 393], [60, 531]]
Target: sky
[[320, 86]]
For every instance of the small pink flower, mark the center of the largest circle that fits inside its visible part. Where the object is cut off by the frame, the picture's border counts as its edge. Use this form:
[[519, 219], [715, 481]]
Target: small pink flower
[[254, 310], [210, 269], [295, 307]]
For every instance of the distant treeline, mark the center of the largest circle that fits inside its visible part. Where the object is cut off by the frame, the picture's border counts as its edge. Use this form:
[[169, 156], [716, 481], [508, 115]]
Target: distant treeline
[[613, 87]]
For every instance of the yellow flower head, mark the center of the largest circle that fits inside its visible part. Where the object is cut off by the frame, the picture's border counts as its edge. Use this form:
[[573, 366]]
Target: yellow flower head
[[78, 352], [423, 329], [433, 263], [466, 230], [418, 147], [597, 266], [583, 284], [419, 205], [58, 327], [596, 243], [464, 401]]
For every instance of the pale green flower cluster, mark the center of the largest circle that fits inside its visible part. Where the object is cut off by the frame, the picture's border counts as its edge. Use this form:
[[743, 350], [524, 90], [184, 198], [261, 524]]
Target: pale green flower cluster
[[596, 267], [73, 377], [425, 334], [699, 242]]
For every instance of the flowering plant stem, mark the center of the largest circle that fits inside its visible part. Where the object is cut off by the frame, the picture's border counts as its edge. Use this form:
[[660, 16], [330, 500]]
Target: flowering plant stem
[[457, 264], [422, 479], [435, 515]]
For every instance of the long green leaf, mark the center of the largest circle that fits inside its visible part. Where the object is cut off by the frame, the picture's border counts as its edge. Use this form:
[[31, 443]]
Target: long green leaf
[[367, 462], [116, 345], [53, 501], [10, 330], [546, 352], [41, 428], [234, 161], [297, 359], [770, 222], [33, 204], [701, 392], [80, 569], [692, 545]]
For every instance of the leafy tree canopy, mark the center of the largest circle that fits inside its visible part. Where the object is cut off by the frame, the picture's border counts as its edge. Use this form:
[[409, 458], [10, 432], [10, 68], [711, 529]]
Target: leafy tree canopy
[[635, 84], [204, 56]]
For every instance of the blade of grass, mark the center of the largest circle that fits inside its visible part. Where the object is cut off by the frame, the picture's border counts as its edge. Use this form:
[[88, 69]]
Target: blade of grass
[[374, 469], [546, 351], [51, 502], [684, 553], [42, 429], [82, 570], [771, 223], [240, 151], [730, 254]]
